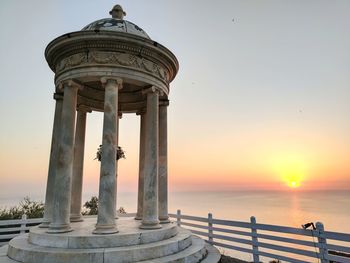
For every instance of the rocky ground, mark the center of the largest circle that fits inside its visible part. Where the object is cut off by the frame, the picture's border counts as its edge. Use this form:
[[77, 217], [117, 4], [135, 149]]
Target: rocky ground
[[227, 259]]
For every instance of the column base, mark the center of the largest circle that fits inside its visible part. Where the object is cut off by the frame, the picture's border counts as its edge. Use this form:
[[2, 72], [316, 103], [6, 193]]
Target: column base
[[105, 229], [76, 218], [156, 226], [150, 225], [44, 224], [164, 220], [59, 228], [138, 217]]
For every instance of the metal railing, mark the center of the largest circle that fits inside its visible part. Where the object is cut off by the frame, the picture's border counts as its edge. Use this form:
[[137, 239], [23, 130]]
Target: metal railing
[[288, 244]]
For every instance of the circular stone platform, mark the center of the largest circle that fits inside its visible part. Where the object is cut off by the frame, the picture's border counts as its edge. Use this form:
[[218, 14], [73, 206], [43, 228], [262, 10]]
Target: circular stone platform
[[82, 237], [168, 244]]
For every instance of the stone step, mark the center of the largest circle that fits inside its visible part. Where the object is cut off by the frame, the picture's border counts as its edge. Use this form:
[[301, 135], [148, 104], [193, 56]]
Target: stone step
[[213, 255], [23, 251], [3, 250], [7, 260], [193, 254], [3, 255]]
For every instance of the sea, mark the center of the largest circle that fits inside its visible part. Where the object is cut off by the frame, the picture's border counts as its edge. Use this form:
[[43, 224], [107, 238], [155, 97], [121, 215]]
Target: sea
[[285, 208]]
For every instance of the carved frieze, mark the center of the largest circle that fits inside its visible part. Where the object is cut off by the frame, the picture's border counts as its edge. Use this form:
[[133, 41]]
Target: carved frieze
[[112, 58], [72, 61]]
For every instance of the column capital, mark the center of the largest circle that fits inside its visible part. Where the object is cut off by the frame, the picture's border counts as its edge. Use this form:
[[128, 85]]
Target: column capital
[[84, 108], [58, 96], [119, 81], [164, 103], [70, 83], [153, 89]]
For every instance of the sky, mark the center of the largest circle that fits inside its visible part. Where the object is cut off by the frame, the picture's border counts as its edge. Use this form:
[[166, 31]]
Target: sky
[[261, 100]]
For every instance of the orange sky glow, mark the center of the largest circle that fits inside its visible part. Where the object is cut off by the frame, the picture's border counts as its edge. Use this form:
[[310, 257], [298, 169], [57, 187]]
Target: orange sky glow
[[257, 104], [245, 163]]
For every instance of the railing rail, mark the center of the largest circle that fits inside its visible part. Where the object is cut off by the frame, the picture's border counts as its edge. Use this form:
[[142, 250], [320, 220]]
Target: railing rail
[[12, 228], [284, 243], [259, 240]]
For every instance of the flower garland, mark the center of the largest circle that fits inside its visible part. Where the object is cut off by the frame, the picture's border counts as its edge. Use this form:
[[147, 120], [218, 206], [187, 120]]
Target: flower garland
[[120, 154]]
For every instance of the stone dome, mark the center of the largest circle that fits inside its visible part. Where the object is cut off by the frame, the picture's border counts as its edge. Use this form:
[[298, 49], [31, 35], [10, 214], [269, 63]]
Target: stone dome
[[118, 25]]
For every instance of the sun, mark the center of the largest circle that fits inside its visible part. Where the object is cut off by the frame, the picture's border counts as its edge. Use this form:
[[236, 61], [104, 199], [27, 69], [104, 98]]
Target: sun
[[292, 177], [294, 184], [291, 170]]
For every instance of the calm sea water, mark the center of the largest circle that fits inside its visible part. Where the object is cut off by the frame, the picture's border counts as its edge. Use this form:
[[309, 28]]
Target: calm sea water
[[332, 208]]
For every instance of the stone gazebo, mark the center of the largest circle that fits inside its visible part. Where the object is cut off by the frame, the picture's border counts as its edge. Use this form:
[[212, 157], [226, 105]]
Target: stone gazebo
[[111, 66]]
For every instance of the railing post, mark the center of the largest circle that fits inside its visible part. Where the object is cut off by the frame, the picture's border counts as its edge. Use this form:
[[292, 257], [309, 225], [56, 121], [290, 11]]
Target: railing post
[[24, 223], [254, 240], [210, 228], [178, 217], [322, 242]]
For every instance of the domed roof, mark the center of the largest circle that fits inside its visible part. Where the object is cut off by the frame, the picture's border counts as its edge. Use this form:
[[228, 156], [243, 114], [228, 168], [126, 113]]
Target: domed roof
[[119, 25]]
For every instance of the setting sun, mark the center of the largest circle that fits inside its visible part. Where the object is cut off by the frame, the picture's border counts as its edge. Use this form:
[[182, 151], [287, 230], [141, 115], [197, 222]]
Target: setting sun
[[291, 169], [293, 176], [294, 184]]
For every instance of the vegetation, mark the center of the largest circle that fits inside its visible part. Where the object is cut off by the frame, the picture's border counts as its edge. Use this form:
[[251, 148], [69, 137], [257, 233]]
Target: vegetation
[[34, 209], [228, 259], [121, 210], [27, 206], [120, 154], [91, 207]]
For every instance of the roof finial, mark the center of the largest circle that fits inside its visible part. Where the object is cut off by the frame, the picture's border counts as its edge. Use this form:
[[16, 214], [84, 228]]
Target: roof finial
[[117, 12]]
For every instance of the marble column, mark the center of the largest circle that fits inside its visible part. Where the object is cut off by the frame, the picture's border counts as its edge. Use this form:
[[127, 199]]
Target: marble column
[[139, 212], [78, 165], [62, 191], [120, 115], [53, 162], [163, 163], [150, 197], [107, 191]]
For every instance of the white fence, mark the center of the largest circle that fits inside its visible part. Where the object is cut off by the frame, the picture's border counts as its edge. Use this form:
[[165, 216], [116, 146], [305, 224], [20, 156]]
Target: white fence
[[12, 228], [288, 244]]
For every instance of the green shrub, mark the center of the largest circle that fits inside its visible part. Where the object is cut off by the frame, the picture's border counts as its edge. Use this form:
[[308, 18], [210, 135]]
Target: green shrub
[[121, 210], [31, 208], [35, 209], [91, 207]]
